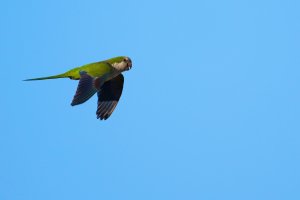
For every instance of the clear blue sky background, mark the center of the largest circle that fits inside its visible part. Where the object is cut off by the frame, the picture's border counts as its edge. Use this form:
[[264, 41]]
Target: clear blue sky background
[[209, 111]]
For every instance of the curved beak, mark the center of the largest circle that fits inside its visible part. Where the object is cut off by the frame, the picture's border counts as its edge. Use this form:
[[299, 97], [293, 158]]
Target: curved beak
[[129, 64]]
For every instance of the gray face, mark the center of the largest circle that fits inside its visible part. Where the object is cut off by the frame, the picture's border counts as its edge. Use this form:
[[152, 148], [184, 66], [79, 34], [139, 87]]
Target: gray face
[[128, 63], [124, 65]]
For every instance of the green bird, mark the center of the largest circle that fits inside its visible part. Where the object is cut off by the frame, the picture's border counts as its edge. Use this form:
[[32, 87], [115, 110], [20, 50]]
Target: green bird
[[104, 78]]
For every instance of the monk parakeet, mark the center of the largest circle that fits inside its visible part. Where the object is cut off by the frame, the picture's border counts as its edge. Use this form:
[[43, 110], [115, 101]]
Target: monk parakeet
[[104, 77]]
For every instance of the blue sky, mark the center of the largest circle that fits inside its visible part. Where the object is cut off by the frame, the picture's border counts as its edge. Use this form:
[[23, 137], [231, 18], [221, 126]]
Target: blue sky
[[210, 109]]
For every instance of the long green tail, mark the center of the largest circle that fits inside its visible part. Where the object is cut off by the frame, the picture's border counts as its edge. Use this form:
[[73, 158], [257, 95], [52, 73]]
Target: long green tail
[[64, 75]]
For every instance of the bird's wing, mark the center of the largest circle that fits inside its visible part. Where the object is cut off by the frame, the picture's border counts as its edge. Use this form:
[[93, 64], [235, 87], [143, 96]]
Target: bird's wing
[[86, 88], [109, 96]]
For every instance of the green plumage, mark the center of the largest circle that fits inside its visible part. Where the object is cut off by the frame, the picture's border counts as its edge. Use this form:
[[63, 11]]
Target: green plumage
[[104, 78], [96, 69]]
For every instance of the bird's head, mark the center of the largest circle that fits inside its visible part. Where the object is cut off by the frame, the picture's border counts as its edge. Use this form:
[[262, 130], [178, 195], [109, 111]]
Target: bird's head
[[121, 63]]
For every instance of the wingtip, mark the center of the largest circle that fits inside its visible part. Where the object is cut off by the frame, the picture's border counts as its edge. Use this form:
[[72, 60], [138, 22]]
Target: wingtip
[[100, 117], [103, 117]]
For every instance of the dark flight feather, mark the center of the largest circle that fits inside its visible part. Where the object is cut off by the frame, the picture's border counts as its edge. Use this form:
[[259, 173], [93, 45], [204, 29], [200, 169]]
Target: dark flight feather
[[85, 89], [109, 96]]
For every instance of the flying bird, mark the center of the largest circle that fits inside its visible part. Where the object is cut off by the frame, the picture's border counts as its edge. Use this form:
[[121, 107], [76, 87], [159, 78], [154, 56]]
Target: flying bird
[[104, 78]]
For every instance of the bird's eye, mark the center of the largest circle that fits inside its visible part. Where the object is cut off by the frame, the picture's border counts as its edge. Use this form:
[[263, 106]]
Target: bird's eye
[[125, 59]]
